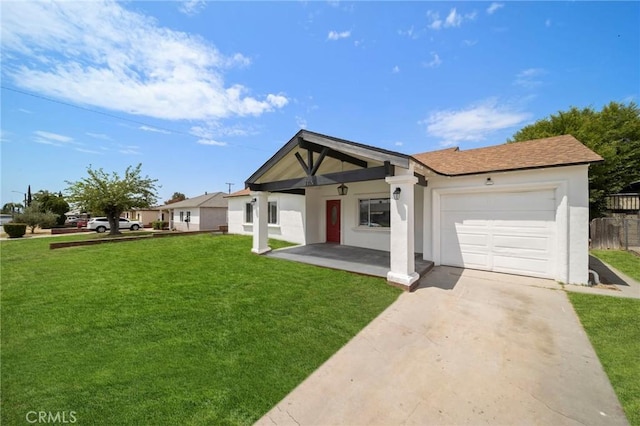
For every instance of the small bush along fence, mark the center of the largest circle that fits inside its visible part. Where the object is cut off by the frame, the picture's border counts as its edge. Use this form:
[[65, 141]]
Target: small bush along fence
[[15, 230]]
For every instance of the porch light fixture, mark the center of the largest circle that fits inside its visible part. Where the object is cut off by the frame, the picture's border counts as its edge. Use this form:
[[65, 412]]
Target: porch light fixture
[[253, 200], [489, 181], [343, 189], [396, 194]]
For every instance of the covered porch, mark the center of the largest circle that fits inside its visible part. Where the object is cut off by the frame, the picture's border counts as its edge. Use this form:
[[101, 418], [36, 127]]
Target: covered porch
[[359, 260], [352, 195]]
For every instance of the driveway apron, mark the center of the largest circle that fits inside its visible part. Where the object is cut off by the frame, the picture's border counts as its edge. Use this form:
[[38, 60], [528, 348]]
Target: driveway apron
[[467, 347]]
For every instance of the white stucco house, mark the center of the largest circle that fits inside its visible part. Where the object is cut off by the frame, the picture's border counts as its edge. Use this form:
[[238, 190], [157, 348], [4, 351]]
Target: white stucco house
[[519, 208], [201, 213]]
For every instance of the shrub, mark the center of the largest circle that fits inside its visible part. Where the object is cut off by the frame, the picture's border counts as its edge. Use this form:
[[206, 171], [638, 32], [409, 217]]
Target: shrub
[[159, 225], [15, 230]]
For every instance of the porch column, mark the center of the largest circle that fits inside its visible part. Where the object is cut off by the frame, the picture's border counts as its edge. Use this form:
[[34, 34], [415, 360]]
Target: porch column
[[260, 225], [403, 272]]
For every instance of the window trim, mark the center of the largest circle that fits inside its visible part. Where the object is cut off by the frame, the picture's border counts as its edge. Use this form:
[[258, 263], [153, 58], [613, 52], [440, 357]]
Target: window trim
[[368, 226], [275, 205], [248, 213]]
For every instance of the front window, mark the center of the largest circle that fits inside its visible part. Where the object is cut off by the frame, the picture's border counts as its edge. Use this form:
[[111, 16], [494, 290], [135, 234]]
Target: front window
[[248, 213], [273, 213], [375, 212], [181, 216], [188, 219]]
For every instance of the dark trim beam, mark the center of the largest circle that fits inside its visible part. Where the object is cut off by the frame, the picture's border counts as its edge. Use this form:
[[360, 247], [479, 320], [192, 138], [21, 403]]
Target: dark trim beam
[[361, 175], [422, 181], [332, 153]]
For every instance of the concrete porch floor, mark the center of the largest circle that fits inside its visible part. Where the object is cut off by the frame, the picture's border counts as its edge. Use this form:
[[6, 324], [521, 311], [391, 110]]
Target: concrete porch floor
[[347, 258]]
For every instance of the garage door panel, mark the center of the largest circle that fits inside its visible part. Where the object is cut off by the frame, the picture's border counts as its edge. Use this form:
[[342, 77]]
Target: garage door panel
[[455, 219], [473, 260], [522, 265], [520, 242], [470, 237], [527, 201], [504, 232]]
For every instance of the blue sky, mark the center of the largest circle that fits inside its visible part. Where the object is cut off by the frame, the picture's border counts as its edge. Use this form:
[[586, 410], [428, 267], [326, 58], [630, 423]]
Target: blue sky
[[202, 93]]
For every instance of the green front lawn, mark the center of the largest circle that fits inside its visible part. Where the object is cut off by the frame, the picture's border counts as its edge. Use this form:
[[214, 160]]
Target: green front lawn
[[182, 330], [624, 261], [613, 326]]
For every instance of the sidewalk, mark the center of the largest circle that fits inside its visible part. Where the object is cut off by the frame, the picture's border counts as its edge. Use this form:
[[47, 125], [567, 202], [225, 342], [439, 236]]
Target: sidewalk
[[614, 282]]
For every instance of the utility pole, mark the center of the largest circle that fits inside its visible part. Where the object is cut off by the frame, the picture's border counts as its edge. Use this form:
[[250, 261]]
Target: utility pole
[[230, 185]]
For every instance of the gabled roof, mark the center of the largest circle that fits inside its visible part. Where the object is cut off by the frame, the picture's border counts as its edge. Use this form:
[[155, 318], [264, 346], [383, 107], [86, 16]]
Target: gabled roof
[[338, 148], [215, 199], [547, 152]]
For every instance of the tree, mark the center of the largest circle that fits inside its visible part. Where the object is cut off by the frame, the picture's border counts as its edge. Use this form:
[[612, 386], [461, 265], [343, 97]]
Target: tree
[[613, 132], [12, 208], [177, 196], [33, 216], [101, 193], [55, 203], [29, 199]]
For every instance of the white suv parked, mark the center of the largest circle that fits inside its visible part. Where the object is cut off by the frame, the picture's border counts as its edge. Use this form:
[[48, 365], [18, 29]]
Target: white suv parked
[[101, 224]]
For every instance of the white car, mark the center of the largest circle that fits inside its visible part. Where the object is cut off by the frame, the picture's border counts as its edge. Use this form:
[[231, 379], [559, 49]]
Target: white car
[[101, 224]]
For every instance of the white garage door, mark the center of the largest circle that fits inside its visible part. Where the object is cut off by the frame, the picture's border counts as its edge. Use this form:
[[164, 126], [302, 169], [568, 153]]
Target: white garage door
[[513, 232]]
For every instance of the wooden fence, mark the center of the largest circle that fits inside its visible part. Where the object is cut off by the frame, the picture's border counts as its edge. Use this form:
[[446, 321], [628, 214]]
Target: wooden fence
[[612, 233]]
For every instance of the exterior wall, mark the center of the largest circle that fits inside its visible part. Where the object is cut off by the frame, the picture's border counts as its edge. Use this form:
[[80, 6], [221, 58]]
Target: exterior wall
[[350, 234], [291, 217], [212, 217], [144, 216], [192, 225], [298, 227], [572, 211]]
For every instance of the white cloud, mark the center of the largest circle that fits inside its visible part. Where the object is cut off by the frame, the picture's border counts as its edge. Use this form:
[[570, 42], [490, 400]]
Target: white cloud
[[191, 7], [211, 142], [434, 62], [101, 136], [473, 123], [89, 151], [153, 129], [395, 69], [435, 21], [26, 111], [398, 144], [100, 54], [469, 43], [301, 122], [494, 7], [213, 130], [52, 137], [453, 19], [3, 136], [411, 33], [529, 78], [334, 35], [547, 23]]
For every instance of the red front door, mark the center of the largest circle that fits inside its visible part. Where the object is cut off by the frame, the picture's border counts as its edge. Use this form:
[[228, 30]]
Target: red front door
[[333, 221]]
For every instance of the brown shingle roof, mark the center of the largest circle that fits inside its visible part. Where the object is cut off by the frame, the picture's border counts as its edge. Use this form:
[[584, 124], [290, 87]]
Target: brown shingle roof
[[240, 193], [548, 152], [215, 199]]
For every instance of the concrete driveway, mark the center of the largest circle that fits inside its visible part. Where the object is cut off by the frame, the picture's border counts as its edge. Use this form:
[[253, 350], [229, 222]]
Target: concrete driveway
[[467, 347]]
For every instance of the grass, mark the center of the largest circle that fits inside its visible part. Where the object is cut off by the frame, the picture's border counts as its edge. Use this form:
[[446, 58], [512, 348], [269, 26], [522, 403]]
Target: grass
[[612, 326], [182, 330], [624, 261]]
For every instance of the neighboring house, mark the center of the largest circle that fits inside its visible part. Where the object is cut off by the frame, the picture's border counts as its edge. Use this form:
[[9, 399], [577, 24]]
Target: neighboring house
[[520, 208], [626, 202], [205, 212], [146, 216]]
